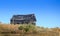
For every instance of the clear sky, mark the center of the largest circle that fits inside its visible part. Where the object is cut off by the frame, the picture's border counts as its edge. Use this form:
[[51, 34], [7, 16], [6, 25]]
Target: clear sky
[[47, 12]]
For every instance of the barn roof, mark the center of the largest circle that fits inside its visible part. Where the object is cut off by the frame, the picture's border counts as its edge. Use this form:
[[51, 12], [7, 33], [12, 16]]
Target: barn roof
[[24, 17]]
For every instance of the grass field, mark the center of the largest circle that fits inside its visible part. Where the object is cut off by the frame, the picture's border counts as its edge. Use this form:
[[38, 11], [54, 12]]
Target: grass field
[[12, 30]]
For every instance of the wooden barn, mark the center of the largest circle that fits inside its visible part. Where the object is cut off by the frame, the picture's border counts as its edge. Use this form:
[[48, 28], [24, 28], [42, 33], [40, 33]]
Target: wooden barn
[[23, 19]]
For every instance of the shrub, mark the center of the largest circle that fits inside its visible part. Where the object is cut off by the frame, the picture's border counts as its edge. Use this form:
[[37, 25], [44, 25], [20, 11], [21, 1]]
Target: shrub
[[26, 29], [21, 28]]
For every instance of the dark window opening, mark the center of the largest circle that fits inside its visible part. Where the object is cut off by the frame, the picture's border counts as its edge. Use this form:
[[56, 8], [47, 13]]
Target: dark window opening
[[18, 23], [26, 22], [22, 22]]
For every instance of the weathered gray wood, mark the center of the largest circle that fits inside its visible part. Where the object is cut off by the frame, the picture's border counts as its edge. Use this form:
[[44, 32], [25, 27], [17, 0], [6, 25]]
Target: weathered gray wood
[[23, 19]]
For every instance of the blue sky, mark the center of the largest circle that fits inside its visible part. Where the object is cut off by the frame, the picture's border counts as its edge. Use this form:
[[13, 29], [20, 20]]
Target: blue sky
[[47, 12]]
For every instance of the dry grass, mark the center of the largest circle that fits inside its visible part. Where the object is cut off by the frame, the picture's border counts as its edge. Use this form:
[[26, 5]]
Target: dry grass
[[8, 26], [40, 31]]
